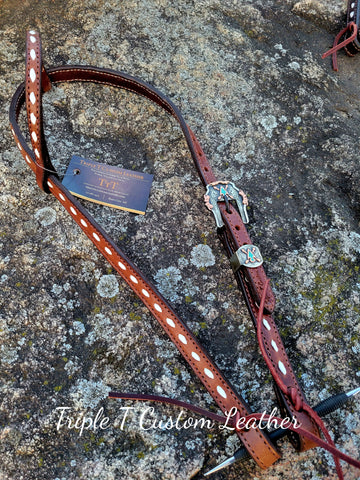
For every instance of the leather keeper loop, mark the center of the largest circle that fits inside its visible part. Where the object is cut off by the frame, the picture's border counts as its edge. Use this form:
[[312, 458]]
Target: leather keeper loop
[[299, 442]]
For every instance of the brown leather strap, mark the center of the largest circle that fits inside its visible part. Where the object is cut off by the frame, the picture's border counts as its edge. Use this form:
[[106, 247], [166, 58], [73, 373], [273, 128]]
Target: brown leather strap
[[37, 81], [238, 423], [280, 375], [329, 446], [350, 32], [229, 421], [255, 440], [353, 16], [275, 351], [350, 35]]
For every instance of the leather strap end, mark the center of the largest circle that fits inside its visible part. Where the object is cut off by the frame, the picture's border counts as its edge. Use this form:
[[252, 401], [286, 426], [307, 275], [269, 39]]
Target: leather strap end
[[299, 442]]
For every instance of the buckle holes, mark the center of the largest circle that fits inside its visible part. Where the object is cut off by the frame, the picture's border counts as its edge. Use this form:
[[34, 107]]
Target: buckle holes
[[76, 171], [237, 227]]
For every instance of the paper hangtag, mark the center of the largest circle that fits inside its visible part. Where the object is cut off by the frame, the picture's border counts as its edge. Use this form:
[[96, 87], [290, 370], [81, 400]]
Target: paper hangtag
[[112, 186]]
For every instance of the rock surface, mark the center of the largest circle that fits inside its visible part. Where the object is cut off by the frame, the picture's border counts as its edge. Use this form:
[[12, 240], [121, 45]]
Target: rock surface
[[272, 117]]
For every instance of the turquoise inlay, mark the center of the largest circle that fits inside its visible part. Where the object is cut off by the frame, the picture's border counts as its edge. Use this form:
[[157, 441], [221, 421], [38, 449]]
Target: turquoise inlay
[[223, 191], [247, 255]]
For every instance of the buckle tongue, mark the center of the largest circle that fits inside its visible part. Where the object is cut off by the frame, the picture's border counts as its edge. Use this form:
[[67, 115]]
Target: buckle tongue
[[225, 192]]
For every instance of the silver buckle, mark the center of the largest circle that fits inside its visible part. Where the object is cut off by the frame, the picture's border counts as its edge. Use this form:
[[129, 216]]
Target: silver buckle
[[225, 192], [247, 255]]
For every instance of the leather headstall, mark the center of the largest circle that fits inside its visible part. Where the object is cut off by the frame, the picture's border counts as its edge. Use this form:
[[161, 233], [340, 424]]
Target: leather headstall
[[228, 204]]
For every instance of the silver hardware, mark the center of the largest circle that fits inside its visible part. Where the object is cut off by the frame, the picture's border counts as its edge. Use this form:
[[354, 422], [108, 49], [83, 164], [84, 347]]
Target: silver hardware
[[225, 192], [247, 255]]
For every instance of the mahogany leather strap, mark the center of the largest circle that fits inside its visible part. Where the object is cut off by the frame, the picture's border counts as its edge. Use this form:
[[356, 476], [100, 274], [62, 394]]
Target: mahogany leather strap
[[255, 440], [275, 351]]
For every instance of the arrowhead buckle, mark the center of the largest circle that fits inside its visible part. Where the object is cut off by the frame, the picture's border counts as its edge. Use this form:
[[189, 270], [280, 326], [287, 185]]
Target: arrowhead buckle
[[225, 192]]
